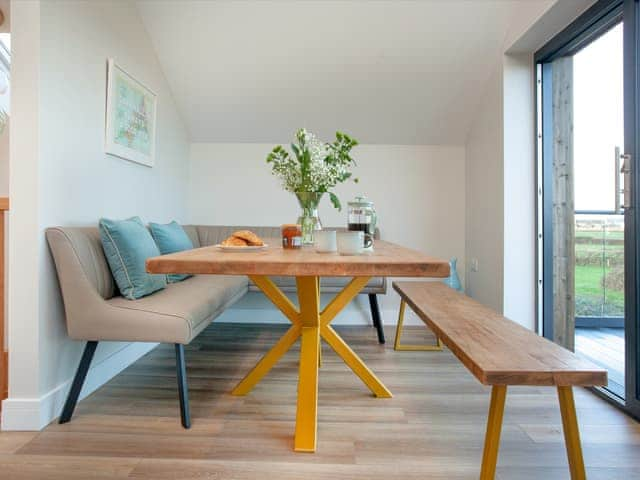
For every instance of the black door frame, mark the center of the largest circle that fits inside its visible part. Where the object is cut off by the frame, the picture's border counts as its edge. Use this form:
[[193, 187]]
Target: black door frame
[[593, 23], [632, 148]]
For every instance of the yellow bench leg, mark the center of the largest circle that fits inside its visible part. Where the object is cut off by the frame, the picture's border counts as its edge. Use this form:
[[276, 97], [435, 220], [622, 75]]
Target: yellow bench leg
[[571, 433], [494, 428], [412, 348]]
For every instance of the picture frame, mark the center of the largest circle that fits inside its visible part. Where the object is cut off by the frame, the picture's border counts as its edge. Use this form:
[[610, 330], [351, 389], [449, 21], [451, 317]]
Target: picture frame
[[130, 123]]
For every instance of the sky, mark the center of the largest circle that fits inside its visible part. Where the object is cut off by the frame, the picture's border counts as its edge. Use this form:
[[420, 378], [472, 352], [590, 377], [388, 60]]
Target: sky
[[598, 120]]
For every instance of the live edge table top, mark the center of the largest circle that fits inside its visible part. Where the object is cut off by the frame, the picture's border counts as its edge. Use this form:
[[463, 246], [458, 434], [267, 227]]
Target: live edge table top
[[387, 260]]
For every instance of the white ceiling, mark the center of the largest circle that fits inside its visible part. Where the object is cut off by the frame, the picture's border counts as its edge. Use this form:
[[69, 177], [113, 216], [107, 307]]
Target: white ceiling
[[390, 72]]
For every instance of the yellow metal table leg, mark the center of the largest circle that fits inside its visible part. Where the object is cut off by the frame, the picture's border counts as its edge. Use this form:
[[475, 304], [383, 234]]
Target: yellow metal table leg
[[354, 362], [494, 428], [279, 299], [342, 299], [268, 361], [571, 433], [307, 408], [319, 340], [311, 325], [411, 348]]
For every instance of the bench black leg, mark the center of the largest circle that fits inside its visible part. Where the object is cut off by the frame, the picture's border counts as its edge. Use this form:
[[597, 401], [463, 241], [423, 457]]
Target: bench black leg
[[78, 381], [183, 389], [375, 315]]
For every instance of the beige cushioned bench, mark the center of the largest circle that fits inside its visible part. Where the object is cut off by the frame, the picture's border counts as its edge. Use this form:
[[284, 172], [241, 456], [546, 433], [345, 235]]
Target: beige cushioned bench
[[177, 314], [95, 311]]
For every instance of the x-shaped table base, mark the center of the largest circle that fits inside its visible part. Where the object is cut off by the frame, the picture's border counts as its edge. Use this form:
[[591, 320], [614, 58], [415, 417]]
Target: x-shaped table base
[[310, 324]]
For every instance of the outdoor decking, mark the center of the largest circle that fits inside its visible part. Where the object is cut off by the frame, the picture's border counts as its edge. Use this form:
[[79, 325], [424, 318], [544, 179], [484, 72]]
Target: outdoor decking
[[604, 347]]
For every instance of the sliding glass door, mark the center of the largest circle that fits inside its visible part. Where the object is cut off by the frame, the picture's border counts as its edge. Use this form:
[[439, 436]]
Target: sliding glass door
[[631, 202], [587, 111]]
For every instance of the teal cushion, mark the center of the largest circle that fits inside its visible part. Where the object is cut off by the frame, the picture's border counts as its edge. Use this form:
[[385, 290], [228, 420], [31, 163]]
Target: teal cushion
[[127, 245], [171, 238]]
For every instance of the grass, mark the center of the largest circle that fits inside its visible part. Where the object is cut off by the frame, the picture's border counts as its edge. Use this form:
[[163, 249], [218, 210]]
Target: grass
[[592, 298], [597, 235]]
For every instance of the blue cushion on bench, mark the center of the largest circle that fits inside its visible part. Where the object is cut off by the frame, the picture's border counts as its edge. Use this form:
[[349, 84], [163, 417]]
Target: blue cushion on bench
[[127, 245], [171, 238]]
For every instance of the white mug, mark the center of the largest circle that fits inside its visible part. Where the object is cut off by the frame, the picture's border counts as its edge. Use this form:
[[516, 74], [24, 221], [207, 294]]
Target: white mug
[[351, 243], [325, 241]]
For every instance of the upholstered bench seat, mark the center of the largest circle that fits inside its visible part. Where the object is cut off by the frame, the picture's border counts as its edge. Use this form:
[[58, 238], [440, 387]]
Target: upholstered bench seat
[[178, 313], [96, 312]]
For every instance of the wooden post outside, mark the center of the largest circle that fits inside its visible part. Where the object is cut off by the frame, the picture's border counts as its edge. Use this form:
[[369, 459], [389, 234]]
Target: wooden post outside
[[563, 205]]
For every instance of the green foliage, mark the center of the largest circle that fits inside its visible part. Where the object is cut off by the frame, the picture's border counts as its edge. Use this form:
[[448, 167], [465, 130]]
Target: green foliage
[[335, 201], [315, 166], [599, 280]]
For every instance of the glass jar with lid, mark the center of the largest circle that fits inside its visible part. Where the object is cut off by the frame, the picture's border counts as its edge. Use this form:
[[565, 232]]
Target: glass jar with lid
[[362, 217]]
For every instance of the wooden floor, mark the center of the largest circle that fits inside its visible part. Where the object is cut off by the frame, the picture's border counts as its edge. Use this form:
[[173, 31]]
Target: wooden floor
[[604, 347], [433, 428]]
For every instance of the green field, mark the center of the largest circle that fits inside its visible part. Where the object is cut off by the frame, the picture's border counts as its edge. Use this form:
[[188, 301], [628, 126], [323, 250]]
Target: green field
[[599, 273]]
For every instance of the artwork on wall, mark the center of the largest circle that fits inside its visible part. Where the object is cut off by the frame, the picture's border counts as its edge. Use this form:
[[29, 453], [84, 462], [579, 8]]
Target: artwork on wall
[[130, 131]]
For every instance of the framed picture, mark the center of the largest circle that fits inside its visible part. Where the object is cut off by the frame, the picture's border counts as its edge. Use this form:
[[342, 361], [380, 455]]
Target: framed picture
[[130, 130]]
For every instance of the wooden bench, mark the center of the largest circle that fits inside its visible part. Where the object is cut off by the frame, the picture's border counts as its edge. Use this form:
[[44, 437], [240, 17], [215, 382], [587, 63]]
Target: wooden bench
[[500, 352]]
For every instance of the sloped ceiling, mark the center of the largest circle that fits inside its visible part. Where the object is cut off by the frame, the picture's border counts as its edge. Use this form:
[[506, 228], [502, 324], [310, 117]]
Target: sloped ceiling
[[389, 72]]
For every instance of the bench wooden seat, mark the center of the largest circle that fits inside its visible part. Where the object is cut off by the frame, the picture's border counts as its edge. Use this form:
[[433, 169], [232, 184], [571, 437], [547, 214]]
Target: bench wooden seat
[[500, 352]]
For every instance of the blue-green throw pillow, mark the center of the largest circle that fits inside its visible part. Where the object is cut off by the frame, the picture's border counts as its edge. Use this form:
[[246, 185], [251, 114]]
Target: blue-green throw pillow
[[127, 245], [171, 238]]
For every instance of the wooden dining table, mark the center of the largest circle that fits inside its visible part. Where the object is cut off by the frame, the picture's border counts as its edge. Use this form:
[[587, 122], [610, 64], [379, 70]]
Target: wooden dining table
[[309, 321]]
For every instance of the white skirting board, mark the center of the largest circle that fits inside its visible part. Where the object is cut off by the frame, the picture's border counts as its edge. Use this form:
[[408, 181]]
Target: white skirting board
[[32, 414]]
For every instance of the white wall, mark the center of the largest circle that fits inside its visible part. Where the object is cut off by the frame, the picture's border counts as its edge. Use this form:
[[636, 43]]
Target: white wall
[[501, 193], [484, 197], [519, 189], [418, 191], [61, 176], [23, 242]]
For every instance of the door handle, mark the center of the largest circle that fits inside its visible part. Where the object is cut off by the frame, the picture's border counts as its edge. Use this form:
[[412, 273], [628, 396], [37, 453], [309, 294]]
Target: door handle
[[625, 170], [617, 191]]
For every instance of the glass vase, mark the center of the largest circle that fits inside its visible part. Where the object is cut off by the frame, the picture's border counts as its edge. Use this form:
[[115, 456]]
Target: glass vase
[[453, 280], [309, 220]]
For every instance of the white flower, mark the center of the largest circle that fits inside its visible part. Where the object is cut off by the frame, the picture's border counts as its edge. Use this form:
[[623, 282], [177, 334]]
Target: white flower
[[315, 166]]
